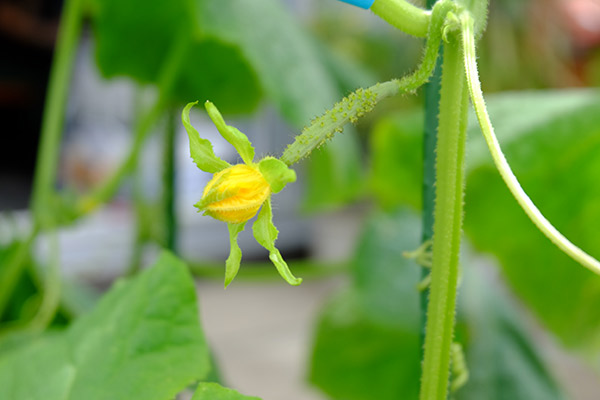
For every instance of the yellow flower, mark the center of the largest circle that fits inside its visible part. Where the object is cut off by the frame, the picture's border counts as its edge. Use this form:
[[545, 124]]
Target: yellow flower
[[235, 194]]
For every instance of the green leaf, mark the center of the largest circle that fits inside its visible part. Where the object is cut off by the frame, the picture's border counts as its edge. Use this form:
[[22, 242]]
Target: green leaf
[[142, 341], [201, 150], [276, 172], [137, 38], [213, 391], [231, 134], [217, 70], [396, 165], [367, 341], [552, 141], [232, 265], [265, 234]]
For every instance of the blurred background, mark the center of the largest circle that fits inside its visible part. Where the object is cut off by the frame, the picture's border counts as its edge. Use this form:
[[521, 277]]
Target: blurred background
[[268, 82]]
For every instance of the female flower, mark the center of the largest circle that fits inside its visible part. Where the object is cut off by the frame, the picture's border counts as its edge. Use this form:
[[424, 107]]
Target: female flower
[[236, 193]]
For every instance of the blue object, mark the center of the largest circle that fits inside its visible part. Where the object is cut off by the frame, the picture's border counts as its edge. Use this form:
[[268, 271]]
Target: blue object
[[366, 4]]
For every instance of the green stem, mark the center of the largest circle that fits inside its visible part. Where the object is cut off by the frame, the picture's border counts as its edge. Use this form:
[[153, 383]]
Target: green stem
[[362, 101], [168, 76], [141, 224], [432, 100], [447, 224], [507, 175], [13, 269], [169, 182], [52, 287], [108, 188], [403, 15], [52, 123]]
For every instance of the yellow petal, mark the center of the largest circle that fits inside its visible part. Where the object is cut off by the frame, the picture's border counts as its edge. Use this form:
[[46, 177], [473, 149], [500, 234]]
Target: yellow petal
[[244, 189]]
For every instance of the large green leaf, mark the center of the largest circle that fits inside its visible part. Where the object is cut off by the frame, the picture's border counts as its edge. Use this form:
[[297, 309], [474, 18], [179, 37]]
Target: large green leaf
[[503, 362], [140, 39], [552, 141], [367, 341], [142, 341]]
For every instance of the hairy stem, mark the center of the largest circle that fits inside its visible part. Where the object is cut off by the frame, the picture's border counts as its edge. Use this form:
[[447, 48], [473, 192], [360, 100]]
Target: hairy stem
[[507, 175], [447, 224], [362, 101], [432, 100]]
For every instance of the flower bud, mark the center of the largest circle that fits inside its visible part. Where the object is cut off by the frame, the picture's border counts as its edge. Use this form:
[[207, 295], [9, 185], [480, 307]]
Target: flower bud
[[235, 194]]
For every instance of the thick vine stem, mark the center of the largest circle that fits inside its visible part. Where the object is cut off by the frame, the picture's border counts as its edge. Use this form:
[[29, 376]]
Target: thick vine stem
[[447, 225], [362, 101], [507, 175], [403, 15]]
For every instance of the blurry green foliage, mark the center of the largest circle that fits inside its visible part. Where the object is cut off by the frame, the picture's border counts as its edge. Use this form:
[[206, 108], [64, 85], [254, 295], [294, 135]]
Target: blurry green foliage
[[142, 341], [367, 340], [235, 51], [552, 140], [213, 391]]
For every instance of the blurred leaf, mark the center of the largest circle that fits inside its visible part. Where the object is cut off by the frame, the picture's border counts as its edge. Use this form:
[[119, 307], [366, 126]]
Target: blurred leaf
[[334, 179], [367, 341], [142, 341], [293, 76], [397, 159], [137, 39], [282, 54], [213, 391], [502, 361], [552, 141]]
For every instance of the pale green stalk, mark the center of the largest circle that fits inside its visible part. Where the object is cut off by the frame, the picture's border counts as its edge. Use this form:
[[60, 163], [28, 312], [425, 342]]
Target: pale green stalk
[[403, 15], [507, 175], [52, 287]]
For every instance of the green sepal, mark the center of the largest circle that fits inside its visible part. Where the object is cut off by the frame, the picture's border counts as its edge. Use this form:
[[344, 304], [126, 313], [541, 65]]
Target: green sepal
[[232, 265], [239, 140], [265, 234], [201, 150], [276, 173]]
